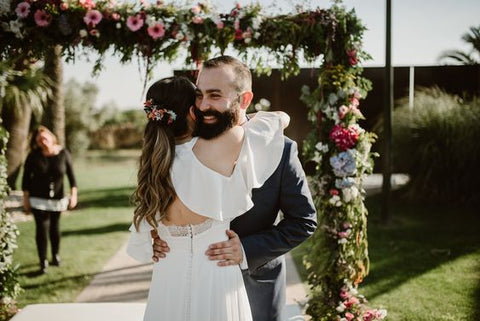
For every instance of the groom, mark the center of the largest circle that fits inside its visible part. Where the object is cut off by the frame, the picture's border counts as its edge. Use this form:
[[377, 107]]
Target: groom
[[224, 91]]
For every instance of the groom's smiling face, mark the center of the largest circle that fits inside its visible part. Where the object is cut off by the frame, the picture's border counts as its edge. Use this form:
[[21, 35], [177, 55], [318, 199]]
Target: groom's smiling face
[[217, 102]]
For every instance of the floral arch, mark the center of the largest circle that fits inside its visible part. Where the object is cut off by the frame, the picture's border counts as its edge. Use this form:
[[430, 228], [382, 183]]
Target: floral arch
[[337, 146]]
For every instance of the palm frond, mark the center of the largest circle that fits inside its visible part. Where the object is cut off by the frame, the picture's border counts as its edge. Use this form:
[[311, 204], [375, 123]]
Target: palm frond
[[458, 56]]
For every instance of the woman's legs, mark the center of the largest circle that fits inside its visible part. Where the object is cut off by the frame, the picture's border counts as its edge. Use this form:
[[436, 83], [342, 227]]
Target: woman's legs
[[55, 236], [42, 225]]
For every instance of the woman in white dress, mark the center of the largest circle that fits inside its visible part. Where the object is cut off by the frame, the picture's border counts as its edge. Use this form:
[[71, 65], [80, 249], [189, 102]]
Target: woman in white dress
[[190, 200]]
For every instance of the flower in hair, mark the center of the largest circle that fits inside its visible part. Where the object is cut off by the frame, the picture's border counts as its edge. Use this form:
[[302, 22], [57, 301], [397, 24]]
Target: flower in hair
[[158, 113]]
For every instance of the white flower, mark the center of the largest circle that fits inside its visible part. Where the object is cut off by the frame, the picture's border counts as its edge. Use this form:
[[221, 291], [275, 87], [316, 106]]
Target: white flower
[[256, 22], [383, 313], [5, 7], [350, 193], [342, 241], [179, 35], [343, 319], [332, 99], [15, 26], [321, 147], [150, 21], [83, 33], [341, 307], [256, 35], [335, 200]]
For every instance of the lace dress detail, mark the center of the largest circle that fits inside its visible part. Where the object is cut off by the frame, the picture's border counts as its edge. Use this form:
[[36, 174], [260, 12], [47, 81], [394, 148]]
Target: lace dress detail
[[188, 230]]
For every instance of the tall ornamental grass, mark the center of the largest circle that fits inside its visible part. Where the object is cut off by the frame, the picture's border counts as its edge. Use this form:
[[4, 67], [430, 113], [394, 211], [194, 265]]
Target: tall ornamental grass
[[437, 142]]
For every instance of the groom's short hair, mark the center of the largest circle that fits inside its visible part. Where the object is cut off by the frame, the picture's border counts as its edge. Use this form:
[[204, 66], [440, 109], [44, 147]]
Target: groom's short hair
[[243, 76]]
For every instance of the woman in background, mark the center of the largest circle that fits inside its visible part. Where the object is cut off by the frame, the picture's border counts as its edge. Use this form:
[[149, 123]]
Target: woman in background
[[43, 193]]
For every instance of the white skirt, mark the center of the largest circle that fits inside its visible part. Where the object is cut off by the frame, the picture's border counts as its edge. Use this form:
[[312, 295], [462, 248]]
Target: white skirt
[[187, 286]]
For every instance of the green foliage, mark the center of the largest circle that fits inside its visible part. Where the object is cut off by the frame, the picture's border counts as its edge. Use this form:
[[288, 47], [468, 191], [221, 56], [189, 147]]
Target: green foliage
[[9, 286], [438, 144], [80, 114], [26, 87]]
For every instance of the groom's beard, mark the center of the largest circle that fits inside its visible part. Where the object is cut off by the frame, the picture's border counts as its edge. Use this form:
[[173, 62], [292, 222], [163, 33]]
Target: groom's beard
[[225, 120]]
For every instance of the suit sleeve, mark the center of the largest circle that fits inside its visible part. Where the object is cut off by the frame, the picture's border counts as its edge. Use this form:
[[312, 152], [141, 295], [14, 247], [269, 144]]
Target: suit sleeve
[[299, 217]]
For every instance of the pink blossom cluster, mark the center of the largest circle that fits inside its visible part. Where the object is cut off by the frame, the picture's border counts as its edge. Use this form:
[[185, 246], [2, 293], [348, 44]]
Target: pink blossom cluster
[[352, 107], [344, 137]]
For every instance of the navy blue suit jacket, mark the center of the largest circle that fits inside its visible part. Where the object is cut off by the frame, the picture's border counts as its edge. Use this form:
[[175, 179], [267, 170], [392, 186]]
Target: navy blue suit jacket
[[265, 243]]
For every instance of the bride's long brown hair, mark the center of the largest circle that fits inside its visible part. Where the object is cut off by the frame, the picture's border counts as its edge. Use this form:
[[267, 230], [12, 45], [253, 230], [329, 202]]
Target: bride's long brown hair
[[155, 192]]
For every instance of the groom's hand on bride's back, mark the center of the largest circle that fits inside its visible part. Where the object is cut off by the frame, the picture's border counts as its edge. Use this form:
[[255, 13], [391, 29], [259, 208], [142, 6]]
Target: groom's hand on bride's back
[[228, 252], [160, 247]]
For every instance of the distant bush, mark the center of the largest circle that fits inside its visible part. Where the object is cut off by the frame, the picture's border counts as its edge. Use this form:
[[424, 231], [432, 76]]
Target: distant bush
[[124, 129], [438, 144]]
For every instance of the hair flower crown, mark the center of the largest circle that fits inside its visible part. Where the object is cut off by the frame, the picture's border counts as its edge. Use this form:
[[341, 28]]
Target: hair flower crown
[[158, 113]]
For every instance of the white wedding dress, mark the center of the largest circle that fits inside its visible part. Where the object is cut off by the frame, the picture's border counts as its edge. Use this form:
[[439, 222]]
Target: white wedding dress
[[186, 285]]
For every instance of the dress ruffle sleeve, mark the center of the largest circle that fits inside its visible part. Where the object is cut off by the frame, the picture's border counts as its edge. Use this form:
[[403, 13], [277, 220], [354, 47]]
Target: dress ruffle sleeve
[[213, 195], [139, 244]]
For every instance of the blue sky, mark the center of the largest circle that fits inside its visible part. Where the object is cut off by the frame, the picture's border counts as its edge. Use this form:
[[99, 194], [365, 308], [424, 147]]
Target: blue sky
[[421, 30]]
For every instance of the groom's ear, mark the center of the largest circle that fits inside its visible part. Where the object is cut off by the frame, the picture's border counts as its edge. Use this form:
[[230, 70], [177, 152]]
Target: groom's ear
[[246, 99]]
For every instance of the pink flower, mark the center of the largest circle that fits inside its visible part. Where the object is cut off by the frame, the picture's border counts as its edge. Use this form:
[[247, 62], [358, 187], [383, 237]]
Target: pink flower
[[196, 9], [134, 22], [92, 18], [63, 6], [346, 225], [87, 4], [115, 16], [342, 235], [23, 9], [344, 294], [238, 6], [349, 316], [352, 57], [42, 18], [342, 111], [368, 316], [236, 24], [352, 301], [238, 34], [354, 101], [220, 25], [333, 192], [197, 20], [156, 31], [159, 3], [344, 138], [95, 33]]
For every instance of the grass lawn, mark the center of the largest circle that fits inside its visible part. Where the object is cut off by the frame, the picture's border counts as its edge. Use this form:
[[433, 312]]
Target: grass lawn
[[425, 265], [91, 234]]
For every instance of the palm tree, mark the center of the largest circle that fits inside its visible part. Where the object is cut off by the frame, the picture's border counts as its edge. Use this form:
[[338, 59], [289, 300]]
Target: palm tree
[[24, 89], [466, 58]]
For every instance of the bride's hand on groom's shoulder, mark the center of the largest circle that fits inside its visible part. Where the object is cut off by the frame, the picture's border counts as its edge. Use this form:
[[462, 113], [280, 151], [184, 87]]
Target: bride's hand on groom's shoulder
[[227, 252], [160, 247]]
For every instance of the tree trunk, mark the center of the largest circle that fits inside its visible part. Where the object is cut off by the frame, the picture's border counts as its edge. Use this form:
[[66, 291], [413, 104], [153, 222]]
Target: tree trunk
[[17, 123], [54, 113]]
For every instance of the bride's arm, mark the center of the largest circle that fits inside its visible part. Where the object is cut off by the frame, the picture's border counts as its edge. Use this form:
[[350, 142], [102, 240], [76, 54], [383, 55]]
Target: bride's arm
[[139, 245]]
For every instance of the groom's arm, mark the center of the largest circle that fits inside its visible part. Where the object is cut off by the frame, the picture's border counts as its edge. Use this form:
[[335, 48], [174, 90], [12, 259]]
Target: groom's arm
[[299, 217]]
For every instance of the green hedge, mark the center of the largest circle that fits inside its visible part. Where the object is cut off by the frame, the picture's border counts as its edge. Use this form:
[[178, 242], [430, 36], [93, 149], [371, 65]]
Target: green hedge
[[437, 142], [9, 287]]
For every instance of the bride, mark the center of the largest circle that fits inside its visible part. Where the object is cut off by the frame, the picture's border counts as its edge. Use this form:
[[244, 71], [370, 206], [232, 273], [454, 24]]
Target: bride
[[189, 189]]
